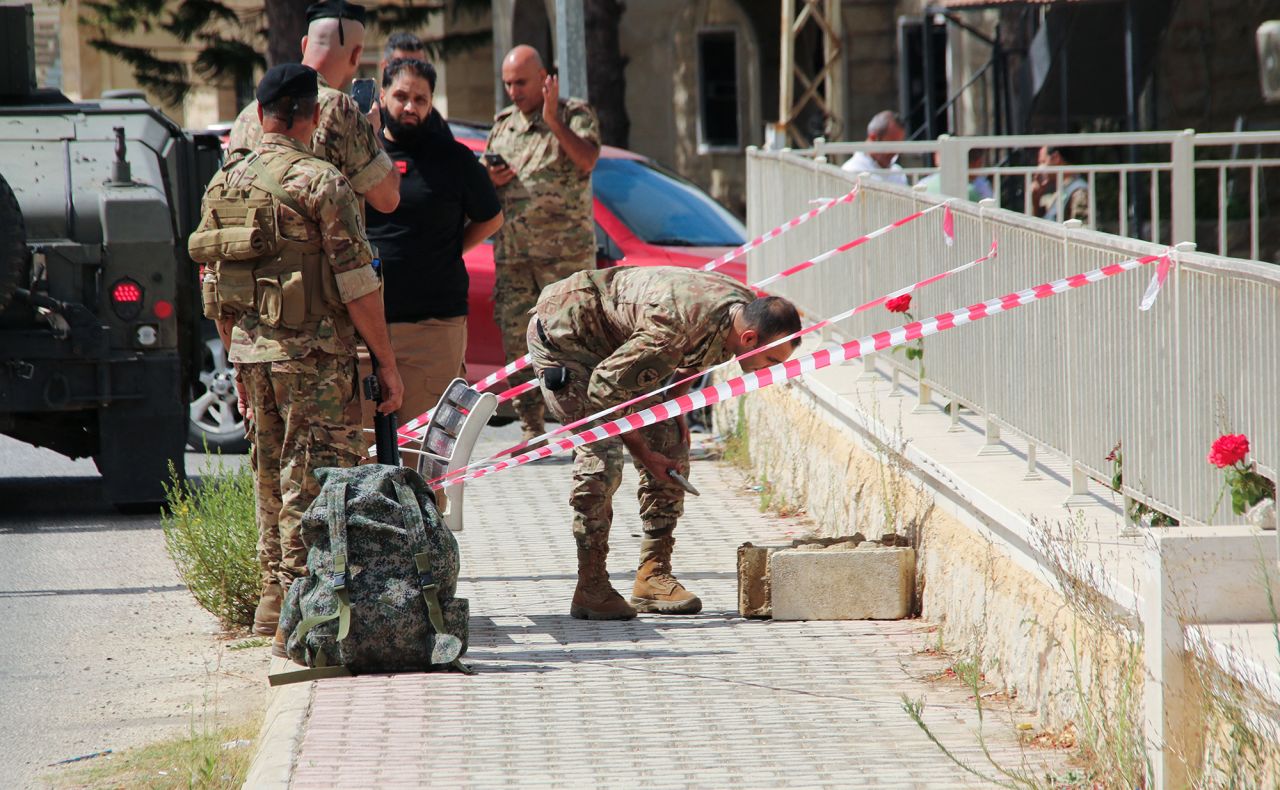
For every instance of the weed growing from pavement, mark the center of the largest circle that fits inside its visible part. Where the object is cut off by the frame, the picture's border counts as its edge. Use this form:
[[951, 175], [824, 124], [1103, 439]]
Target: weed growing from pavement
[[214, 754], [211, 533]]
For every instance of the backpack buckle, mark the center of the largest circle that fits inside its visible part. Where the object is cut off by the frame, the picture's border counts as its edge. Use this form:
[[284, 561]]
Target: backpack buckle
[[426, 580], [340, 581]]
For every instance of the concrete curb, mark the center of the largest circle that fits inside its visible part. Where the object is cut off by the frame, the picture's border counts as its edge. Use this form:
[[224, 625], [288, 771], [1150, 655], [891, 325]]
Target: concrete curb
[[278, 740]]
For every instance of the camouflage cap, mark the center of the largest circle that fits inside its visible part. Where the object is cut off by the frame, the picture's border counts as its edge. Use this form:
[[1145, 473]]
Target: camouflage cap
[[287, 80]]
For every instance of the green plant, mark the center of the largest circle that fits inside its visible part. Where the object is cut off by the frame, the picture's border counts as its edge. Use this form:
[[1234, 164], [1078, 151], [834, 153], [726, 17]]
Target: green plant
[[1139, 512], [737, 444], [210, 531]]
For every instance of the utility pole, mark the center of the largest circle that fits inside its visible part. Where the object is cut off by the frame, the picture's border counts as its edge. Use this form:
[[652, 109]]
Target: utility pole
[[571, 48]]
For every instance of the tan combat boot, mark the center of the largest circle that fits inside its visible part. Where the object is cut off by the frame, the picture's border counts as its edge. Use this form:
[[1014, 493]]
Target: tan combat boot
[[594, 598], [267, 616], [656, 590]]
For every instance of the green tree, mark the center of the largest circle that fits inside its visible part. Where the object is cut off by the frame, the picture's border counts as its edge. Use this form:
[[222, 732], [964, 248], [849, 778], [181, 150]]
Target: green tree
[[234, 46]]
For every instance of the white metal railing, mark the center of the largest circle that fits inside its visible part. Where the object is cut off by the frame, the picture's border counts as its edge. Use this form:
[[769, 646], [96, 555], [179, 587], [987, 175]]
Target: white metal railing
[[1075, 374], [1183, 186]]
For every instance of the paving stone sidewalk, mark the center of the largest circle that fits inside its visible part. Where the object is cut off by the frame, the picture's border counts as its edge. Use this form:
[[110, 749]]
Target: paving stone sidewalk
[[712, 700]]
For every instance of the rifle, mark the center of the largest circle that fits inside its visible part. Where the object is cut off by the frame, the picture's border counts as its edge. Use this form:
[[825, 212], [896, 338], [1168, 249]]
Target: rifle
[[384, 425]]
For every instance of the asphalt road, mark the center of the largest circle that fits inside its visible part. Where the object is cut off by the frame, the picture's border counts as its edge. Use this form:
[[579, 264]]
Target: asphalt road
[[102, 646]]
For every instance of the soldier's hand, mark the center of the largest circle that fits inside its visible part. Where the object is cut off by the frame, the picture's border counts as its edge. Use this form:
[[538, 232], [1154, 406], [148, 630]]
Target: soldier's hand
[[242, 401], [392, 389], [658, 464], [500, 176], [551, 100]]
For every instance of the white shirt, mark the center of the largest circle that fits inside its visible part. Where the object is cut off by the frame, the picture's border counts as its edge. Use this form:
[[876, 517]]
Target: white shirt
[[861, 162]]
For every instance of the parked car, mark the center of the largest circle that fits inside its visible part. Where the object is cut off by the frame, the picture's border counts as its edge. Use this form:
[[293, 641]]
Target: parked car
[[645, 216]]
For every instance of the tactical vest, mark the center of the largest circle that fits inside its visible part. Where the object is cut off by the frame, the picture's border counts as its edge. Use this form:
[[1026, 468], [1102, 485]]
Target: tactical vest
[[250, 266]]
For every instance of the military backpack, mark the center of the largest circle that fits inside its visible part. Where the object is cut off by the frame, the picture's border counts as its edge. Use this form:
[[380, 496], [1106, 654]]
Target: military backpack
[[382, 573]]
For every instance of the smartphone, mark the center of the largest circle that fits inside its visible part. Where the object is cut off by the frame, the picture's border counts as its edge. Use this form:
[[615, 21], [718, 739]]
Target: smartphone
[[363, 90], [495, 160]]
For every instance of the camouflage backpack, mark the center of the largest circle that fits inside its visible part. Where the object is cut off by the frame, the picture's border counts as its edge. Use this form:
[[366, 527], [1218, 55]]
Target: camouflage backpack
[[383, 568]]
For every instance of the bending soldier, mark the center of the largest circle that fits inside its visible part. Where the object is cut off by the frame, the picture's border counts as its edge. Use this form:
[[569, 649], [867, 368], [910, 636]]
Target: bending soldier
[[289, 282], [600, 338]]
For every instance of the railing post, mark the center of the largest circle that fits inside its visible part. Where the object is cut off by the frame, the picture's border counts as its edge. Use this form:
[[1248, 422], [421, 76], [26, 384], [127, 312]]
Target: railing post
[[924, 394], [954, 407], [818, 155], [1079, 496], [954, 166], [1033, 470], [992, 446], [1183, 186]]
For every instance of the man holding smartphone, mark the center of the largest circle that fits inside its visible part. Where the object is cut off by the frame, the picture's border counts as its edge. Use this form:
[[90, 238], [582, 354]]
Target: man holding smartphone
[[540, 155], [447, 206]]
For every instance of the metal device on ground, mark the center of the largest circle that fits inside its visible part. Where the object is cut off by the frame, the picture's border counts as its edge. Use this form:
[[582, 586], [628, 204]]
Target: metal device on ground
[[99, 323], [684, 483]]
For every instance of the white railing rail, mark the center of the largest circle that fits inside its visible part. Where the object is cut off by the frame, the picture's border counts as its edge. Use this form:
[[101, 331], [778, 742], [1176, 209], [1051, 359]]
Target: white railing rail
[[1154, 198], [1073, 375]]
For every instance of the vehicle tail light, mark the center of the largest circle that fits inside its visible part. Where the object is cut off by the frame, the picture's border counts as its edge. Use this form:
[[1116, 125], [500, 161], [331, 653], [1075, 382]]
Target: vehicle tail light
[[162, 309], [126, 298]]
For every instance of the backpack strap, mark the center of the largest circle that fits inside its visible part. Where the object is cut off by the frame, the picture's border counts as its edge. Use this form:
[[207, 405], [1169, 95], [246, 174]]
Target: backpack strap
[[335, 505], [448, 647], [268, 182]]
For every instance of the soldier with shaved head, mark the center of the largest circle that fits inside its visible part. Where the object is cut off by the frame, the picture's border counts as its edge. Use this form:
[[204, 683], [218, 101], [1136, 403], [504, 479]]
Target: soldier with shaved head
[[345, 137], [548, 147]]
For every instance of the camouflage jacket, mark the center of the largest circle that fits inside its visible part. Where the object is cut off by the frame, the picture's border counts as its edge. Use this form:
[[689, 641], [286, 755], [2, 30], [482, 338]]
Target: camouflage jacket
[[637, 325], [344, 138], [333, 221], [547, 205]]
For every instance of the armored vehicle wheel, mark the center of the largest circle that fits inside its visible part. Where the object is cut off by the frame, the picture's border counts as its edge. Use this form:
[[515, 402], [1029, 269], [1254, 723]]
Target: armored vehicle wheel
[[15, 260], [215, 412]]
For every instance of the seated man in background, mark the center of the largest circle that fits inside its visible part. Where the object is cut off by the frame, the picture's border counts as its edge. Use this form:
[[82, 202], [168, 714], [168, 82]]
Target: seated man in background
[[1073, 203], [447, 206], [883, 128]]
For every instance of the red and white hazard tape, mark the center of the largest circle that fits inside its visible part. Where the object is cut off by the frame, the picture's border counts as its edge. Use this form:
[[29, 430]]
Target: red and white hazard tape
[[816, 361], [412, 430], [409, 431], [648, 395]]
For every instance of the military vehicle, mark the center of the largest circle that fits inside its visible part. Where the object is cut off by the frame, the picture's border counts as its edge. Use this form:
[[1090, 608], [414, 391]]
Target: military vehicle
[[100, 333]]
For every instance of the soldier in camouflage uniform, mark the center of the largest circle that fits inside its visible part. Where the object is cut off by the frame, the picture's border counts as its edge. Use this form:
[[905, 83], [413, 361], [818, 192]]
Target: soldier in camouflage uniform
[[549, 147], [600, 338], [344, 138], [294, 345]]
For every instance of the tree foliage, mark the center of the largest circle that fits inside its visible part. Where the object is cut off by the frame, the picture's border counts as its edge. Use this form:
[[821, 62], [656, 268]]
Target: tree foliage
[[231, 46]]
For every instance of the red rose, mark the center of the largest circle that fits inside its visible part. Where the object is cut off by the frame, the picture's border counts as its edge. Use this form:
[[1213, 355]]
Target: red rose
[[1229, 450], [899, 304]]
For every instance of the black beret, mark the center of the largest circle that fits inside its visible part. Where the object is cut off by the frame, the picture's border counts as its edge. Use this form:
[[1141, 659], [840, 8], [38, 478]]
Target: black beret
[[292, 80], [335, 9]]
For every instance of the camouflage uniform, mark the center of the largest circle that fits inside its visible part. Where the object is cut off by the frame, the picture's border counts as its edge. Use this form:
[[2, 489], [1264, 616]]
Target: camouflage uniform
[[622, 332], [549, 229], [301, 383], [345, 139]]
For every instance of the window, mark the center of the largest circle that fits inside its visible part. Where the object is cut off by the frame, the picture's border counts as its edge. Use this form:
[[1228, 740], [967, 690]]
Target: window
[[718, 121], [662, 208]]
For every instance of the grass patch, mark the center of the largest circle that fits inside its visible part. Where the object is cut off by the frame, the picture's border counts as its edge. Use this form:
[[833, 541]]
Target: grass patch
[[210, 531], [737, 444], [210, 758]]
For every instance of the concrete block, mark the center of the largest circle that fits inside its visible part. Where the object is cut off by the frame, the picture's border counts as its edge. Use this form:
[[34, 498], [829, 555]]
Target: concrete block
[[859, 584], [753, 578]]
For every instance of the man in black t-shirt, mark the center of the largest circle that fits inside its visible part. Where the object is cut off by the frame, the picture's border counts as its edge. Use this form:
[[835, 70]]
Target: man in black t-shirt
[[447, 206]]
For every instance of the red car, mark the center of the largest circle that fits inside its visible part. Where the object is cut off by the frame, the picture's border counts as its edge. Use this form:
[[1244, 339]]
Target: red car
[[645, 216]]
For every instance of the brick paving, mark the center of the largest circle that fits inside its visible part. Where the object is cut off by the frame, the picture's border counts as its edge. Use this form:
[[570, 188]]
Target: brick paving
[[712, 700]]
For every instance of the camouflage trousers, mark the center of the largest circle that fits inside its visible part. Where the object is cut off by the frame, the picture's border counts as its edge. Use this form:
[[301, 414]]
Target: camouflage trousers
[[306, 415], [597, 467], [517, 285]]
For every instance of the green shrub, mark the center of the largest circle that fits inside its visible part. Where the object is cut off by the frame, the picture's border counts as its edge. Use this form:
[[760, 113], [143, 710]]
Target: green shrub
[[211, 532]]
